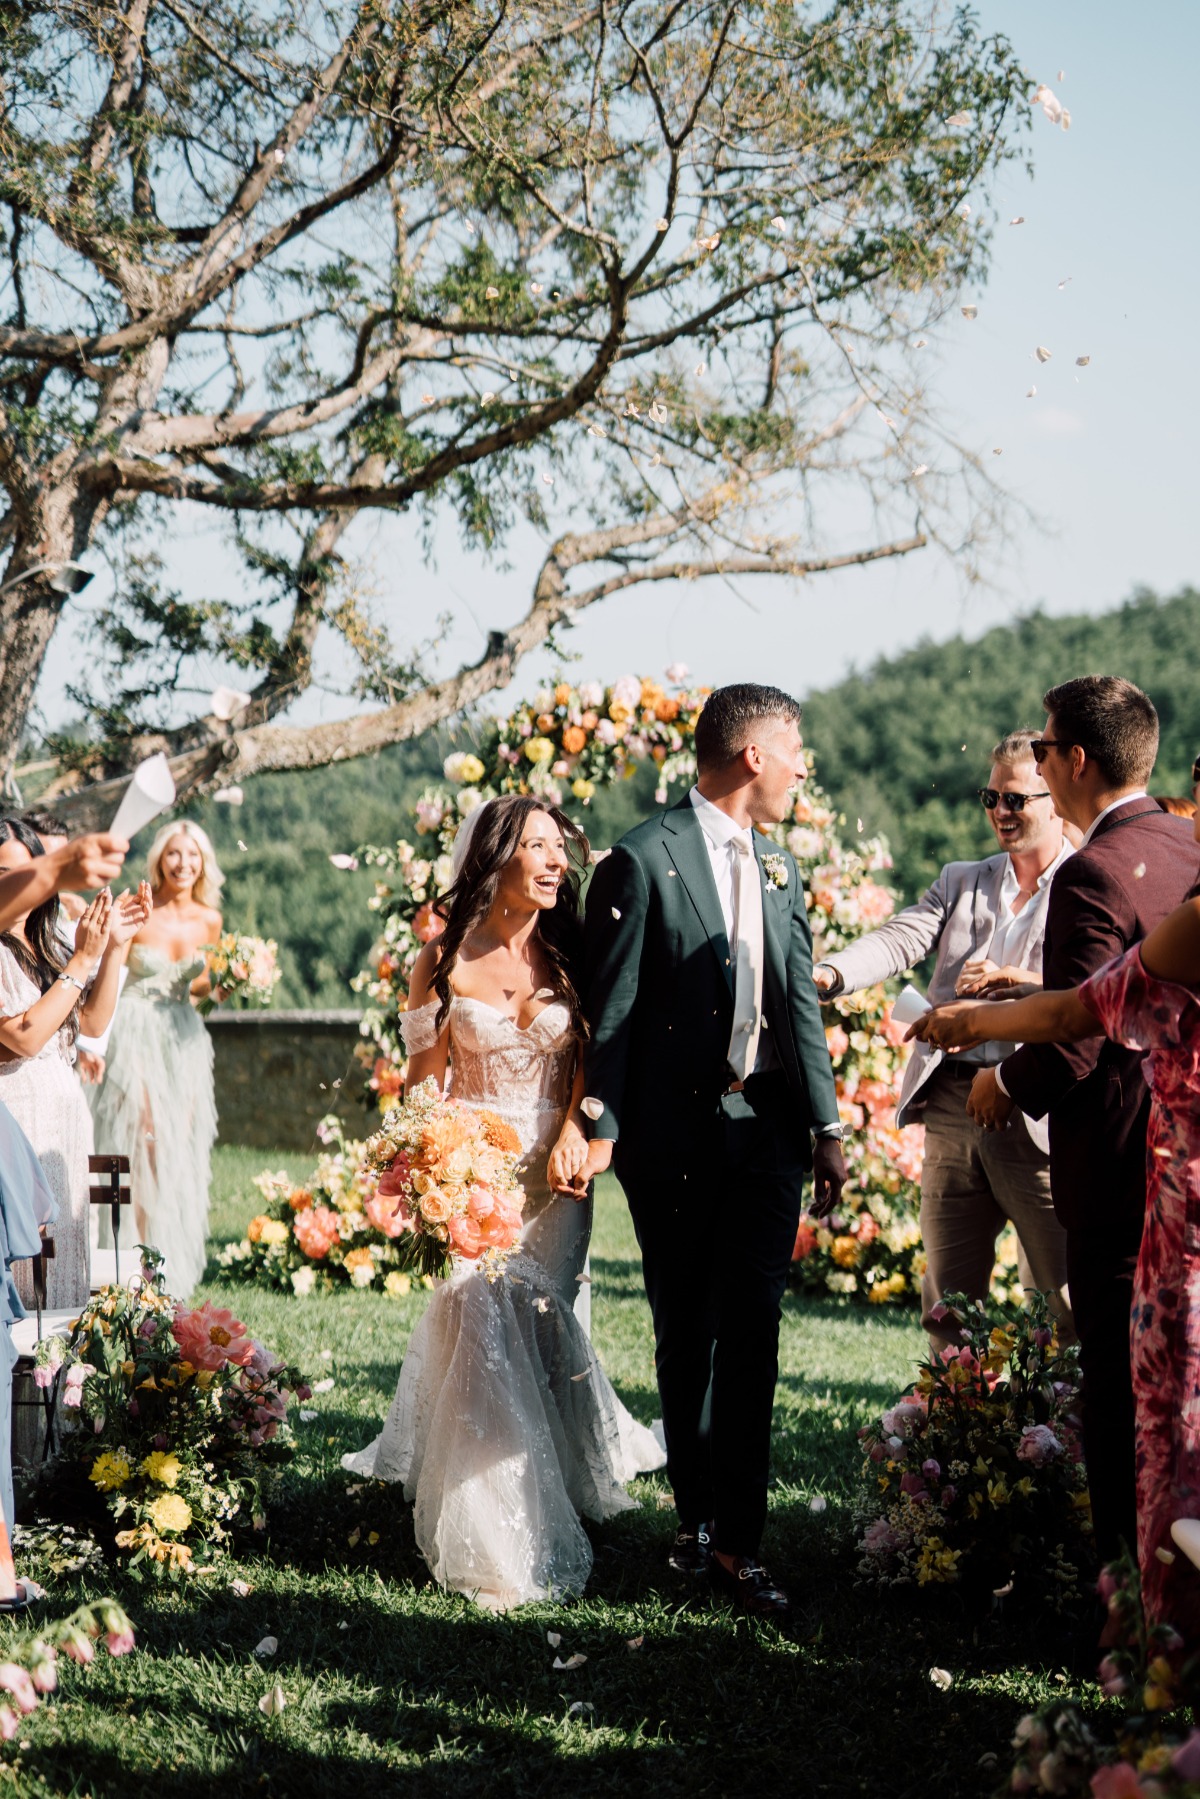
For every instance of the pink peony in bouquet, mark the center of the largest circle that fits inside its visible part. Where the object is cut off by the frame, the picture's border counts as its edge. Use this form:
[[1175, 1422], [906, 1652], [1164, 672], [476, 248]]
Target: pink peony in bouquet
[[241, 968], [450, 1173]]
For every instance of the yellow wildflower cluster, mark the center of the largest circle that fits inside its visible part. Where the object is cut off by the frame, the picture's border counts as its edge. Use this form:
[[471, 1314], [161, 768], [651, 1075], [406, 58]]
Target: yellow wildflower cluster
[[163, 1467], [110, 1471], [937, 1563]]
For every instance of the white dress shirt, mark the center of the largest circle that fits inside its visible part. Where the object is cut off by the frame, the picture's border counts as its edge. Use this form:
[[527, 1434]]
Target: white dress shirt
[[726, 842], [1011, 938]]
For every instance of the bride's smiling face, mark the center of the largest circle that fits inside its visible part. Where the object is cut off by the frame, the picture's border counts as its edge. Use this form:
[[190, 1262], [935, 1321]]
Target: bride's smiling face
[[181, 865], [533, 874]]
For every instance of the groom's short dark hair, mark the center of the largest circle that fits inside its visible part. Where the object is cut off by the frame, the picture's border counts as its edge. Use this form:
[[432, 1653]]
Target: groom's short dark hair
[[727, 723]]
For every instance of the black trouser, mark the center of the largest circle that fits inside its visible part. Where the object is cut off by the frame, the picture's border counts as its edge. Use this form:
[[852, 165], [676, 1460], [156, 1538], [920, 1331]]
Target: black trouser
[[716, 1246], [1100, 1276]]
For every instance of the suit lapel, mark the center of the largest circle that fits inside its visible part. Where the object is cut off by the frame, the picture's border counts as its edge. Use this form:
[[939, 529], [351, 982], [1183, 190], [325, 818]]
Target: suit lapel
[[988, 883], [688, 850]]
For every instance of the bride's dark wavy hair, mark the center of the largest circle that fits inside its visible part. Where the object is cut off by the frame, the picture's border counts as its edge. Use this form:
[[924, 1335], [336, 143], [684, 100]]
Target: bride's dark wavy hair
[[495, 838], [45, 952]]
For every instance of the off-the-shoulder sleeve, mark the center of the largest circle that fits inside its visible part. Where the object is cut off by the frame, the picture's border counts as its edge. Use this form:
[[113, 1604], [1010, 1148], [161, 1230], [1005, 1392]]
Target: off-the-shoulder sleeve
[[420, 1028], [1133, 1007]]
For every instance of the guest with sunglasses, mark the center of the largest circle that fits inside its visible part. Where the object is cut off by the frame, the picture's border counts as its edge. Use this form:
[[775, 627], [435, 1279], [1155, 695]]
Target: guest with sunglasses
[[1135, 864], [985, 920]]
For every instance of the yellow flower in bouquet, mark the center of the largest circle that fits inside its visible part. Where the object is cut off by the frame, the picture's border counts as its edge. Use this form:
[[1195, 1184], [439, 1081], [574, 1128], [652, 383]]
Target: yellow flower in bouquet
[[110, 1472], [163, 1467], [170, 1513], [243, 968]]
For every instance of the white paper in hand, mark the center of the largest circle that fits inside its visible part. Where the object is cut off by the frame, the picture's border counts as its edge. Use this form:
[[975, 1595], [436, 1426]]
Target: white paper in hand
[[150, 792], [910, 1005]]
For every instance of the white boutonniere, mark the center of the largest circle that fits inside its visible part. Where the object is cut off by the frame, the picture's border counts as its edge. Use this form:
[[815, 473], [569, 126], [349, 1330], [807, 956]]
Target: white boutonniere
[[775, 869]]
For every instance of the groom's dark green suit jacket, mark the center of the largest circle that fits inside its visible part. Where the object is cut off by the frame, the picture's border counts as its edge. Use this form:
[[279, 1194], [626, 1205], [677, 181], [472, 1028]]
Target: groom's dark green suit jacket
[[660, 991]]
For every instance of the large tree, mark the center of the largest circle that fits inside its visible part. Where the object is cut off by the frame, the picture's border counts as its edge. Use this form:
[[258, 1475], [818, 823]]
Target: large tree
[[650, 275]]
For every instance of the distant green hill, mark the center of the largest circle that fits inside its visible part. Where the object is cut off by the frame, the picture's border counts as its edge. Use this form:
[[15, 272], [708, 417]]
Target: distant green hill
[[904, 746]]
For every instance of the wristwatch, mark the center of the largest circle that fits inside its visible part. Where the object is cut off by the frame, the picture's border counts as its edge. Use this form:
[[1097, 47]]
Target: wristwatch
[[836, 1131]]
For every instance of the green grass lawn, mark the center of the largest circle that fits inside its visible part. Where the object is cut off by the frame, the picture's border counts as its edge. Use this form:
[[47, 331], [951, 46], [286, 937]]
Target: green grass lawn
[[393, 1686]]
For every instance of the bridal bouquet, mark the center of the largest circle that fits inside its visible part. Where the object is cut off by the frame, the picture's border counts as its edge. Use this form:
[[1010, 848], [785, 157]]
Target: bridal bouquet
[[452, 1171], [241, 968]]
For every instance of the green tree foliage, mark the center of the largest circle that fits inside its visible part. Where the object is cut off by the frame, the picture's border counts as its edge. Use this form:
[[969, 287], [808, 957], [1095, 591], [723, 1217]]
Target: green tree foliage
[[905, 745], [643, 276]]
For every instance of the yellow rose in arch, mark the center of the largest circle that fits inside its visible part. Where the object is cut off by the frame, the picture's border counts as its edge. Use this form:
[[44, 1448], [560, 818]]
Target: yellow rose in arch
[[170, 1512], [538, 750]]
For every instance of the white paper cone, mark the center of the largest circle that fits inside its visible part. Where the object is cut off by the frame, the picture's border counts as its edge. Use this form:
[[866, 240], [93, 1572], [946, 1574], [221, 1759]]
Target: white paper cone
[[150, 792], [910, 1005]]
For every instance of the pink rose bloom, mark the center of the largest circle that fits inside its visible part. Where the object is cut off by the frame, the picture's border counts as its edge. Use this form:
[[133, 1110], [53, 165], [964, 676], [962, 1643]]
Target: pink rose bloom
[[466, 1237], [1038, 1445], [1186, 1759], [388, 1217], [316, 1231], [868, 1228], [481, 1202], [393, 1182], [1117, 1782], [210, 1336], [880, 1538]]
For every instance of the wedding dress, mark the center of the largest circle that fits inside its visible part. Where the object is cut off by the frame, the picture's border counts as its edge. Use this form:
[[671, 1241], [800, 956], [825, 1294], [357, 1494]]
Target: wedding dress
[[505, 1429], [156, 1106]]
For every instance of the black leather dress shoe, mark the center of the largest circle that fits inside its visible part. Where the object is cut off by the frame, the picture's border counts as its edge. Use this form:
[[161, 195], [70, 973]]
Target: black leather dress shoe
[[751, 1588], [691, 1552]]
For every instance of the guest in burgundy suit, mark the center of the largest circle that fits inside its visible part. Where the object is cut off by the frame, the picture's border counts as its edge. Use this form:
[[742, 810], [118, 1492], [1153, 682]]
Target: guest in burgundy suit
[[1134, 865]]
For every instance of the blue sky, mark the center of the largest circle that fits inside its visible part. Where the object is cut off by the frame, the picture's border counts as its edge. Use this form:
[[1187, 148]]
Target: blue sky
[[1104, 456]]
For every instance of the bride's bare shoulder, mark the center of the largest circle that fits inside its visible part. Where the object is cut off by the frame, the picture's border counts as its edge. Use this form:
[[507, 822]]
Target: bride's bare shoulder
[[425, 967]]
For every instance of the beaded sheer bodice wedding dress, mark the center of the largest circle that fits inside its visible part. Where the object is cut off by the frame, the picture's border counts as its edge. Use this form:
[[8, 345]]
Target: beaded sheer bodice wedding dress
[[505, 1430]]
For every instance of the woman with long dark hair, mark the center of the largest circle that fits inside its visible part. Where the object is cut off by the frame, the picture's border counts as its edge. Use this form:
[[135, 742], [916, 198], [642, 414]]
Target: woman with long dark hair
[[504, 1427], [47, 993]]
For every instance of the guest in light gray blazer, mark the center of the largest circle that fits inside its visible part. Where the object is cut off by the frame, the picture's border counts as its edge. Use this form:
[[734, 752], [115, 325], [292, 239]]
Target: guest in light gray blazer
[[986, 921]]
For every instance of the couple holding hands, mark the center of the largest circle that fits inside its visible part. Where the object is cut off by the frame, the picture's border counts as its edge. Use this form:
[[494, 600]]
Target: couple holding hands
[[676, 1034]]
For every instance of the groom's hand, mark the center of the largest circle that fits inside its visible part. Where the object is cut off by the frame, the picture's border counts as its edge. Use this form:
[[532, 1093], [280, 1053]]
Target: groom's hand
[[829, 1176]]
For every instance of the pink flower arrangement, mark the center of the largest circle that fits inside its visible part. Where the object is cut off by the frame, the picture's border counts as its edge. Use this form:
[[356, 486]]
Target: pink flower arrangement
[[1038, 1445], [388, 1213], [316, 1231], [211, 1337]]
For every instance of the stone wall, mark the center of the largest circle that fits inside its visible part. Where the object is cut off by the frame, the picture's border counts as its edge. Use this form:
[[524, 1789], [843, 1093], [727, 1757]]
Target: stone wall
[[279, 1073]]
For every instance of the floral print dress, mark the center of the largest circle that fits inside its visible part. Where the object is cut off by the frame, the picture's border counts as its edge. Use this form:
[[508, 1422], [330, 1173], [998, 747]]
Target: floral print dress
[[1164, 1019]]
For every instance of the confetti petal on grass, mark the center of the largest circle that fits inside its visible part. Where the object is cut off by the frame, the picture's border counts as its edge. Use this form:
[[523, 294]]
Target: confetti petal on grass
[[241, 1588], [229, 796], [344, 1625], [1081, 362], [1042, 353], [327, 1355], [307, 1415], [322, 1386], [572, 1661], [665, 1502], [553, 1638], [347, 862], [942, 1679], [591, 1108], [959, 118], [272, 1703], [267, 1647], [969, 312], [226, 702], [817, 1503], [580, 1705], [491, 293], [634, 1642]]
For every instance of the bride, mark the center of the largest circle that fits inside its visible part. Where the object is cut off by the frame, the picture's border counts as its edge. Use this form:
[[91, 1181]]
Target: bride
[[504, 1428]]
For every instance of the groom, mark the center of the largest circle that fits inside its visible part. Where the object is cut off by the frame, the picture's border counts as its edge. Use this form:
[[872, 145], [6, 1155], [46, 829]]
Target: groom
[[713, 1096]]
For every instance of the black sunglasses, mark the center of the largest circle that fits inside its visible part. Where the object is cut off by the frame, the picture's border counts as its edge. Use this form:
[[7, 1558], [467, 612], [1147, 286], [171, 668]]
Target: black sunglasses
[[1009, 802], [1041, 746], [1196, 772]]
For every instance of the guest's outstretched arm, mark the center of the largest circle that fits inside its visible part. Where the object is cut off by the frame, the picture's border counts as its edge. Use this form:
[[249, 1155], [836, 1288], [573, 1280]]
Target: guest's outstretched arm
[[1058, 1017]]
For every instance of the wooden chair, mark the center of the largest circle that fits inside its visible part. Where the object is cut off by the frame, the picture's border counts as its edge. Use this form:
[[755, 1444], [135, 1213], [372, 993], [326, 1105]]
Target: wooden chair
[[111, 1193]]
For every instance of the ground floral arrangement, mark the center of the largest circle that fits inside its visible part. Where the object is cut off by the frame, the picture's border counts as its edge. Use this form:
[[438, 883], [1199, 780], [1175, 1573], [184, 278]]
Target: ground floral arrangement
[[977, 1475], [1154, 1750], [174, 1414]]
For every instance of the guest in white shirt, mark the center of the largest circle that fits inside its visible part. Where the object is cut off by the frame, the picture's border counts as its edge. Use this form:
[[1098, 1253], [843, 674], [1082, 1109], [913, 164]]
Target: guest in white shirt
[[986, 921]]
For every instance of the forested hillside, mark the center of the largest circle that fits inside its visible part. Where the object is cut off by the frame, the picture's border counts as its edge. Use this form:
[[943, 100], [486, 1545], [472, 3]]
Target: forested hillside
[[903, 746]]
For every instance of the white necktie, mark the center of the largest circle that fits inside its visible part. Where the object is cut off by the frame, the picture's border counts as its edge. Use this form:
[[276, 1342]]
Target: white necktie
[[747, 951]]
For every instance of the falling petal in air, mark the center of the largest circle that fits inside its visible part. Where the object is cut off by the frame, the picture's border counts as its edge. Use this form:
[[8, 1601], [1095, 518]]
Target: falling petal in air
[[1029, 395], [920, 343], [1019, 220], [959, 118], [229, 796], [486, 399], [701, 369], [226, 702], [272, 1703], [1042, 353], [491, 293], [997, 452], [1081, 362], [662, 224], [548, 479], [922, 468], [969, 312], [346, 862]]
